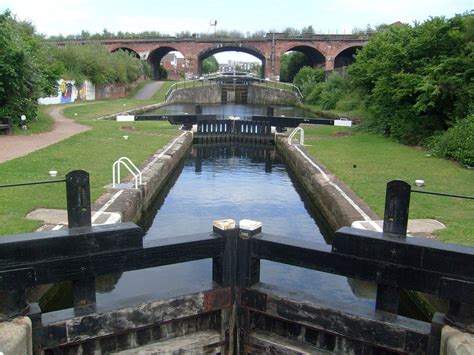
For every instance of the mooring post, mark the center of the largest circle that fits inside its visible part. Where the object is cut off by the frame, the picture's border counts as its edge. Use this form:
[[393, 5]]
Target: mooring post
[[395, 222], [79, 215]]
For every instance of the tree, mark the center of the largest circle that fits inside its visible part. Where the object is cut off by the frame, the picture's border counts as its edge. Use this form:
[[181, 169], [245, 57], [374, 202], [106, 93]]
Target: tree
[[419, 79], [291, 63], [24, 77], [94, 62], [308, 30], [210, 65], [307, 78]]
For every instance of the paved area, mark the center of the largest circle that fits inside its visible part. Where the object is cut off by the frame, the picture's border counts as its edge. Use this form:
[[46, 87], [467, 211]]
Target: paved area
[[148, 90], [54, 219], [15, 146], [423, 228]]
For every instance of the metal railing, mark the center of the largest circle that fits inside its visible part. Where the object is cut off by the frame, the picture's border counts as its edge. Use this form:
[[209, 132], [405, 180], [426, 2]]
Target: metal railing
[[212, 78], [280, 85], [295, 131], [137, 175], [188, 84]]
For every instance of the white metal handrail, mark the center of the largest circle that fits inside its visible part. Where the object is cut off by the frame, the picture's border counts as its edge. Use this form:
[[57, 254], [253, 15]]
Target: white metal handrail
[[126, 162], [295, 131]]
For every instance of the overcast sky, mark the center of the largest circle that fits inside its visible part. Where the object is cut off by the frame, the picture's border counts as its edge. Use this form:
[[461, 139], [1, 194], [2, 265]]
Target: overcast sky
[[54, 17]]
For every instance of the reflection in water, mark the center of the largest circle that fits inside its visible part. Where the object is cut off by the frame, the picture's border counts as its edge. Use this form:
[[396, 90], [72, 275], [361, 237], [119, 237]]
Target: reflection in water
[[233, 181]]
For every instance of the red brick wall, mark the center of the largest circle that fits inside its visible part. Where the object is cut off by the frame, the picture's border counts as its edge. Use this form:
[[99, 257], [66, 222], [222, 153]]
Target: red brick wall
[[328, 45]]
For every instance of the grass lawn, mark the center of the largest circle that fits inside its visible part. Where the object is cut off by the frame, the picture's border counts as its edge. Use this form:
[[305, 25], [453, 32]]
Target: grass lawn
[[378, 160], [42, 123], [94, 151]]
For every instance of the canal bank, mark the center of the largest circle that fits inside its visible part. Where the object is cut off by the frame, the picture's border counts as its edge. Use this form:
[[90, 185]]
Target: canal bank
[[338, 203], [341, 207]]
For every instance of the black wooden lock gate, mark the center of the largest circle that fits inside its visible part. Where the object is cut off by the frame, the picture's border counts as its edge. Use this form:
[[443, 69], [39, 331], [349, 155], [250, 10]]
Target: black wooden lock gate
[[237, 313]]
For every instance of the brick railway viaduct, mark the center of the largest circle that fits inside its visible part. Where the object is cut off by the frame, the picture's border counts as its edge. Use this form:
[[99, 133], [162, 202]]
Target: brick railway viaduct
[[326, 51]]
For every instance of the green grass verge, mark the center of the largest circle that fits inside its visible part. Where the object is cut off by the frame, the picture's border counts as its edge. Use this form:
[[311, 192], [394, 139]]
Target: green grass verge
[[94, 151], [367, 162], [358, 114], [42, 123]]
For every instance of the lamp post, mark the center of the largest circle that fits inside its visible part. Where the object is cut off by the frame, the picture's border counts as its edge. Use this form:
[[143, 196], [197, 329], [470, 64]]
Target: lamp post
[[213, 23]]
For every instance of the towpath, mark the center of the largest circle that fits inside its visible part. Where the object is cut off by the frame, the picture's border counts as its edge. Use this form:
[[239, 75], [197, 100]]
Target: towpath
[[15, 146], [148, 90]]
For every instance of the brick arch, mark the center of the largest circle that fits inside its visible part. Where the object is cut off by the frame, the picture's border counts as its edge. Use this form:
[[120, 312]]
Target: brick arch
[[206, 53], [128, 50], [345, 56], [316, 56], [156, 55]]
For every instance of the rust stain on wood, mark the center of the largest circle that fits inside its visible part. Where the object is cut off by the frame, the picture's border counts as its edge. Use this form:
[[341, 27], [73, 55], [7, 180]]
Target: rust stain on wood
[[217, 299]]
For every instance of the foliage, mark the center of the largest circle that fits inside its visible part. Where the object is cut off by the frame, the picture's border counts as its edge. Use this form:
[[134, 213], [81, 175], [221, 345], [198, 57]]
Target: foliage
[[290, 65], [95, 63], [420, 78], [457, 142], [210, 65], [221, 33], [24, 77], [146, 69], [162, 72], [307, 78], [329, 92]]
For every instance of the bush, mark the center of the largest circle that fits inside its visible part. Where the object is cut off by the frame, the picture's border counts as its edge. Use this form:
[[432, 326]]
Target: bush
[[95, 63], [24, 77], [457, 142], [307, 78], [333, 90], [315, 94], [162, 72], [349, 102]]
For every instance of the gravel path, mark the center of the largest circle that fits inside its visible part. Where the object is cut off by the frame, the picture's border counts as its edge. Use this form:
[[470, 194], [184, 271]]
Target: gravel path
[[12, 147], [148, 90]]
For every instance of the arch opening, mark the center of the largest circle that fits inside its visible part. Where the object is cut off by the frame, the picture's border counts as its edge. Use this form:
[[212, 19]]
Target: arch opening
[[297, 57], [230, 59], [346, 57], [167, 62], [127, 50]]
